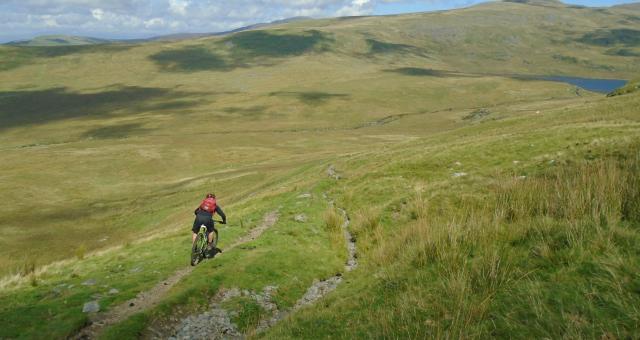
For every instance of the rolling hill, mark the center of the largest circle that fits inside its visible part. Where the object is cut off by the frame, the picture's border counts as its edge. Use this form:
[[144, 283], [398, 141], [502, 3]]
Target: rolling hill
[[482, 201], [59, 40]]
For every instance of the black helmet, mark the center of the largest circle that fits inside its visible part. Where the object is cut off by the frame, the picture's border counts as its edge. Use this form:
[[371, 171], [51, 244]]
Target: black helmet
[[211, 195]]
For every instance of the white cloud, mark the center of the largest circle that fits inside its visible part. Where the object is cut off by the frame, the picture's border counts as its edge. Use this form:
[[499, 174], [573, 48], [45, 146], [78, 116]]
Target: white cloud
[[49, 20], [178, 7], [97, 13], [154, 23], [357, 7]]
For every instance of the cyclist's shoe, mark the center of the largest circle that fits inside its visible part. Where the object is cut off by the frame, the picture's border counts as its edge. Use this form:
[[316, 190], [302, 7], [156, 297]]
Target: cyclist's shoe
[[218, 250]]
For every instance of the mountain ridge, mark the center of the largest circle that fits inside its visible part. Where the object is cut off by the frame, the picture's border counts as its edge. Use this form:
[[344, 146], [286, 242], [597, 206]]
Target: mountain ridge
[[73, 40]]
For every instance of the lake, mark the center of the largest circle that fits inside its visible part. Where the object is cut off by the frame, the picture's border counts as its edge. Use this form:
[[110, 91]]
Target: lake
[[590, 84]]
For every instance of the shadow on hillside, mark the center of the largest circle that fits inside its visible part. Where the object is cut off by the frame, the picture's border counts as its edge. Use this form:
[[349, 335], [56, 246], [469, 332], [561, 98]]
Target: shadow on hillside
[[426, 72], [241, 50], [622, 52], [633, 18], [15, 56], [19, 108], [253, 111], [310, 98], [116, 131], [353, 17], [622, 36], [259, 44], [381, 47], [190, 59]]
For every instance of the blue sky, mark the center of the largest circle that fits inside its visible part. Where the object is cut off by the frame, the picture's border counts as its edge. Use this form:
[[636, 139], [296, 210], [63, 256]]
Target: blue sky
[[123, 19]]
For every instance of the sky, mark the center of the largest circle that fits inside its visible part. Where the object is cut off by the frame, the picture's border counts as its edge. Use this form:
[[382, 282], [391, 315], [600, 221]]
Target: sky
[[127, 19]]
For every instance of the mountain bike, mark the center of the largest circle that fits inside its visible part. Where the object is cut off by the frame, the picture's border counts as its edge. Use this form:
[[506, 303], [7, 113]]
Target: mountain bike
[[199, 249]]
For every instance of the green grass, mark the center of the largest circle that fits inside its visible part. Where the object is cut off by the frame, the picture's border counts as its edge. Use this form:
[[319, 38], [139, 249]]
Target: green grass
[[549, 255], [249, 313], [309, 254], [116, 145]]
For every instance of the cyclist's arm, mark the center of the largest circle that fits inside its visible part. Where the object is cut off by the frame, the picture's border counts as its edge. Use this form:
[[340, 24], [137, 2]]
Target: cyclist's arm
[[221, 213]]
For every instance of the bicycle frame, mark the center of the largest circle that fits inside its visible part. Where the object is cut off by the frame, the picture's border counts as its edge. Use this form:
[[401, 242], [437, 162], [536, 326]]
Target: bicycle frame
[[202, 237]]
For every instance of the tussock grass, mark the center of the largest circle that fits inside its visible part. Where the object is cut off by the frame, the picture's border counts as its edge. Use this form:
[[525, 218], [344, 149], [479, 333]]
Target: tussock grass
[[366, 228], [333, 221], [81, 251], [28, 268], [418, 207], [603, 191], [550, 255]]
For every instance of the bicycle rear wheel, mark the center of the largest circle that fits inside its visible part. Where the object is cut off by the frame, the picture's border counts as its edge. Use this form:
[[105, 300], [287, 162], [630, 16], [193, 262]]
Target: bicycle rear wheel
[[197, 251]]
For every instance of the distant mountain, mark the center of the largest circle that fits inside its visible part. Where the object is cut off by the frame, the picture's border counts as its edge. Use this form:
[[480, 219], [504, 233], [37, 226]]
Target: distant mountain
[[59, 40], [630, 7], [539, 2], [69, 40], [183, 36]]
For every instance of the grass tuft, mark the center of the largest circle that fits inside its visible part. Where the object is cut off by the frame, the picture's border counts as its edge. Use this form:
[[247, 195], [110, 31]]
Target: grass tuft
[[81, 251]]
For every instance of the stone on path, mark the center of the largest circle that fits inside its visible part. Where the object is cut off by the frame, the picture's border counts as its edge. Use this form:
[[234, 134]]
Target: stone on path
[[331, 172], [91, 307]]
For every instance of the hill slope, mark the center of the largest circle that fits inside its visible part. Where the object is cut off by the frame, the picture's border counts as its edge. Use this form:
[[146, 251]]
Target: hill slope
[[478, 198]]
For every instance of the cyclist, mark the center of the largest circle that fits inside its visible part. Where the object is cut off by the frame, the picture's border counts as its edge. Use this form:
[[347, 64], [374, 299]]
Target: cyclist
[[204, 216]]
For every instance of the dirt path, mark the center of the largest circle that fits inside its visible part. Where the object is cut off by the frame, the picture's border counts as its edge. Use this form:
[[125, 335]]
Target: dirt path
[[215, 323], [152, 297], [321, 288]]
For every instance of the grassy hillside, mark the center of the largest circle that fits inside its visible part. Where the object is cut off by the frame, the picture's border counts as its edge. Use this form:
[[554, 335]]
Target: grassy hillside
[[632, 86], [484, 203]]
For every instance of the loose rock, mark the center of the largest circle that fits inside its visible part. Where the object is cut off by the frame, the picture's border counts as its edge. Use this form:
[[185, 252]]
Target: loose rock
[[89, 282], [331, 172], [477, 114], [91, 307], [300, 218]]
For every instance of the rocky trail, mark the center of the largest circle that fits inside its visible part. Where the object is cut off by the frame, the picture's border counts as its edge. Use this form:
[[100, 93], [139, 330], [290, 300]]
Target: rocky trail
[[152, 297], [215, 323]]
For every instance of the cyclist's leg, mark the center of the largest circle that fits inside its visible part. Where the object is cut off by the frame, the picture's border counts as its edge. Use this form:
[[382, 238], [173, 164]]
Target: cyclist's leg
[[194, 231], [211, 236], [210, 229]]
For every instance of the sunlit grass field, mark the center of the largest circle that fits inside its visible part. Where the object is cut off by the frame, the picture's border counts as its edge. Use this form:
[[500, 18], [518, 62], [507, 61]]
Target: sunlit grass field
[[483, 204]]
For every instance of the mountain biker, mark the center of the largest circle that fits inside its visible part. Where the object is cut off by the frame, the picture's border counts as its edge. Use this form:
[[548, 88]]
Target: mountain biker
[[204, 216]]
